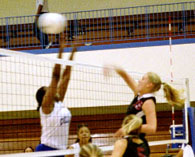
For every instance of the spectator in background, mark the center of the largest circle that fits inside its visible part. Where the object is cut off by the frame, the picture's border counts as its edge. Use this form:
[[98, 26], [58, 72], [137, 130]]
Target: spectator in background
[[75, 29], [83, 138], [28, 149], [42, 7]]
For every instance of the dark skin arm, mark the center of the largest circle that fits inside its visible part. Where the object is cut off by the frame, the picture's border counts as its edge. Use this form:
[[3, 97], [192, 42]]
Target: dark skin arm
[[40, 7], [63, 84], [49, 98]]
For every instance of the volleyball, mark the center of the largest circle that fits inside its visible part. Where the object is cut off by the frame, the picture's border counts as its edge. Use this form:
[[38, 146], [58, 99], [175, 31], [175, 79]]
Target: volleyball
[[52, 23]]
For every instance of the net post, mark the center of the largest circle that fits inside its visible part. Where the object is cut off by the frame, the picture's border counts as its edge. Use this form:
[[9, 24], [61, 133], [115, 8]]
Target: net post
[[186, 106]]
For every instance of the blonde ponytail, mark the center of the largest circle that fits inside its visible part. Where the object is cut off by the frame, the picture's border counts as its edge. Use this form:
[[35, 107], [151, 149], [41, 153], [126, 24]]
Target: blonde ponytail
[[173, 95]]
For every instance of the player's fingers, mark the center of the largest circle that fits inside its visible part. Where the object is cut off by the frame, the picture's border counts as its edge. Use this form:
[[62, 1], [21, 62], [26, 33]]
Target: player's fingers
[[74, 49], [106, 71]]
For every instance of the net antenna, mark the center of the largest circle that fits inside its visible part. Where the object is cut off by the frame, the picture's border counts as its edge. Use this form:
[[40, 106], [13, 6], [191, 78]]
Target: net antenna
[[171, 72], [187, 95]]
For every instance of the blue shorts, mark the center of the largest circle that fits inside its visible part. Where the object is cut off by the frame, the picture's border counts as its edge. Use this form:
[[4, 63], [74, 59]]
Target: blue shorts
[[42, 147]]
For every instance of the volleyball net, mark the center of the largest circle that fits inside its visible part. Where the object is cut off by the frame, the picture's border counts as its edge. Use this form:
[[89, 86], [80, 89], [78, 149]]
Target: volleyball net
[[90, 93]]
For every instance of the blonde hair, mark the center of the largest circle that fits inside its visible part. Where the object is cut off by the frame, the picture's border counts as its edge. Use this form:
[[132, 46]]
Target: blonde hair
[[172, 95], [155, 80], [131, 123], [90, 150]]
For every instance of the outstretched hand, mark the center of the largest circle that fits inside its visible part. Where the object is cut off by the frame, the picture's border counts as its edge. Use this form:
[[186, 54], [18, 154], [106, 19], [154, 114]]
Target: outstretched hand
[[109, 69], [106, 71], [62, 40], [74, 49]]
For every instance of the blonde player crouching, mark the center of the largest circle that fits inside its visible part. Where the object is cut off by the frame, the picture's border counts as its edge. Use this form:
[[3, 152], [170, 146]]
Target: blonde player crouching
[[55, 117], [130, 144]]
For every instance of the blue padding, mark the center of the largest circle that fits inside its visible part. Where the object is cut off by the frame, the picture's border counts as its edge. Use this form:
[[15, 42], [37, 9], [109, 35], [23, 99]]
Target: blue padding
[[180, 132], [114, 46], [191, 112]]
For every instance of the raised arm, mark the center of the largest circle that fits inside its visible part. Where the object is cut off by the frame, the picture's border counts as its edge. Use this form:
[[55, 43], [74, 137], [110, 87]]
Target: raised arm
[[64, 81], [127, 78], [49, 98], [38, 12]]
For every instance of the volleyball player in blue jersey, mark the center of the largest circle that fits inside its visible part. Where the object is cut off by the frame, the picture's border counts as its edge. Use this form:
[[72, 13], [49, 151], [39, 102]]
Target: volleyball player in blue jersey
[[55, 117]]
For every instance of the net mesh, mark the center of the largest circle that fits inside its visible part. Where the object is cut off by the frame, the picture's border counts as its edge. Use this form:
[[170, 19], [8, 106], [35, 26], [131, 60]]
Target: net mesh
[[21, 77], [22, 74]]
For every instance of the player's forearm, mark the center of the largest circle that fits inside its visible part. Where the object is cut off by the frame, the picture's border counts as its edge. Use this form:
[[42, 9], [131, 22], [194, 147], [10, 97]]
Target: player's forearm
[[62, 45], [67, 71], [73, 53], [38, 12], [148, 129], [127, 78], [61, 49], [56, 71], [39, 9]]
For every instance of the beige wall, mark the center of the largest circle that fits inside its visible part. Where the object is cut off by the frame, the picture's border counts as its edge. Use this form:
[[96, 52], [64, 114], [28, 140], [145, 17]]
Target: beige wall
[[28, 7], [16, 7], [80, 5]]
